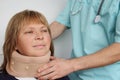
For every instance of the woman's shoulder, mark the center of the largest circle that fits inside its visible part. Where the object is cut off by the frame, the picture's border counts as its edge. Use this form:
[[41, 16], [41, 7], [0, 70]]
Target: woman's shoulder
[[2, 77], [5, 76], [1, 73]]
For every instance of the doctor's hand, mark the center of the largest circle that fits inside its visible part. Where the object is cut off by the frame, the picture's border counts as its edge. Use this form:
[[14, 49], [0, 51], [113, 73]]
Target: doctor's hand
[[55, 69]]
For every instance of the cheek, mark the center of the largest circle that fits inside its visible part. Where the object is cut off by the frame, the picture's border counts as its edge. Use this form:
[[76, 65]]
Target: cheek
[[24, 43], [48, 40]]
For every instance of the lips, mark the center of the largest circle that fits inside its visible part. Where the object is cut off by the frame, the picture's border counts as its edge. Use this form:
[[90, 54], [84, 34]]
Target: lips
[[39, 46]]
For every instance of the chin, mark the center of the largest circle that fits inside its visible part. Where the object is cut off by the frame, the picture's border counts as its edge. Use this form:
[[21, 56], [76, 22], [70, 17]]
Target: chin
[[39, 54]]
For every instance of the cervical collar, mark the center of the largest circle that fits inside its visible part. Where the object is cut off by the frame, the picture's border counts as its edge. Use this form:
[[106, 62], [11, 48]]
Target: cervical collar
[[25, 66]]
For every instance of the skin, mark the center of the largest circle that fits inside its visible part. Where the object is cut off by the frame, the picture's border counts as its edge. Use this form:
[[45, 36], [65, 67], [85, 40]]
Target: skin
[[60, 67], [34, 40]]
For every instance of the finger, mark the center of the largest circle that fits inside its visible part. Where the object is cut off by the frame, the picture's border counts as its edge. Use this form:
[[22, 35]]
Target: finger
[[52, 58], [54, 77], [42, 72], [48, 76], [47, 71], [44, 67]]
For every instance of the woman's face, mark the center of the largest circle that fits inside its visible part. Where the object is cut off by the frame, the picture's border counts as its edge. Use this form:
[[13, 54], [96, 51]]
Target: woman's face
[[34, 40]]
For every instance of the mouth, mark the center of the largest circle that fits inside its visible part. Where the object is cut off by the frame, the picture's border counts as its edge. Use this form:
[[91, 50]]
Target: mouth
[[39, 46]]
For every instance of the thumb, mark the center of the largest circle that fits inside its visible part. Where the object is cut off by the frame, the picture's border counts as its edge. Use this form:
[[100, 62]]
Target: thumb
[[52, 58]]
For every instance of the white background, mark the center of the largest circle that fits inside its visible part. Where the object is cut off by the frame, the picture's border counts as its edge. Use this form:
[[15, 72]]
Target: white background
[[50, 8]]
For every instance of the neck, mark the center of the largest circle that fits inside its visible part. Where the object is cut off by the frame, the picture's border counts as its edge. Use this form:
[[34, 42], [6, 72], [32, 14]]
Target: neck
[[24, 66]]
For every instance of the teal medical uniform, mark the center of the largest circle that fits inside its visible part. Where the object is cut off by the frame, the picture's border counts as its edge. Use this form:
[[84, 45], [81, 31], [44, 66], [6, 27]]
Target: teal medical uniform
[[89, 37]]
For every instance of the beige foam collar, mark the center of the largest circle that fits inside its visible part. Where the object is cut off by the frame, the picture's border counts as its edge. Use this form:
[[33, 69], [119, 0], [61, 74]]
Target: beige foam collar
[[24, 66]]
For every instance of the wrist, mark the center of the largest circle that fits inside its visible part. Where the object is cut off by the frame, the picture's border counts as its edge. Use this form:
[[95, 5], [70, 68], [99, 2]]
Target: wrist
[[72, 65]]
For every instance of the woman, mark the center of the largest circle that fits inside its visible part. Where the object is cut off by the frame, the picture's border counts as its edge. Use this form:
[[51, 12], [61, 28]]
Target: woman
[[27, 46]]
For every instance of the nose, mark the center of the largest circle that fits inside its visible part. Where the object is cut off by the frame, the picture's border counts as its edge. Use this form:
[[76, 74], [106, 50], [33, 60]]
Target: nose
[[39, 36]]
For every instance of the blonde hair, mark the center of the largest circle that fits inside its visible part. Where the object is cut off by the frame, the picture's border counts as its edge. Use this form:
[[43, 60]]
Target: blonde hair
[[16, 22]]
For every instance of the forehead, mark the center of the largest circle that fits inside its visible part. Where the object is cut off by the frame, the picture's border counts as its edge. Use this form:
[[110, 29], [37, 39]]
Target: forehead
[[34, 26], [33, 22]]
